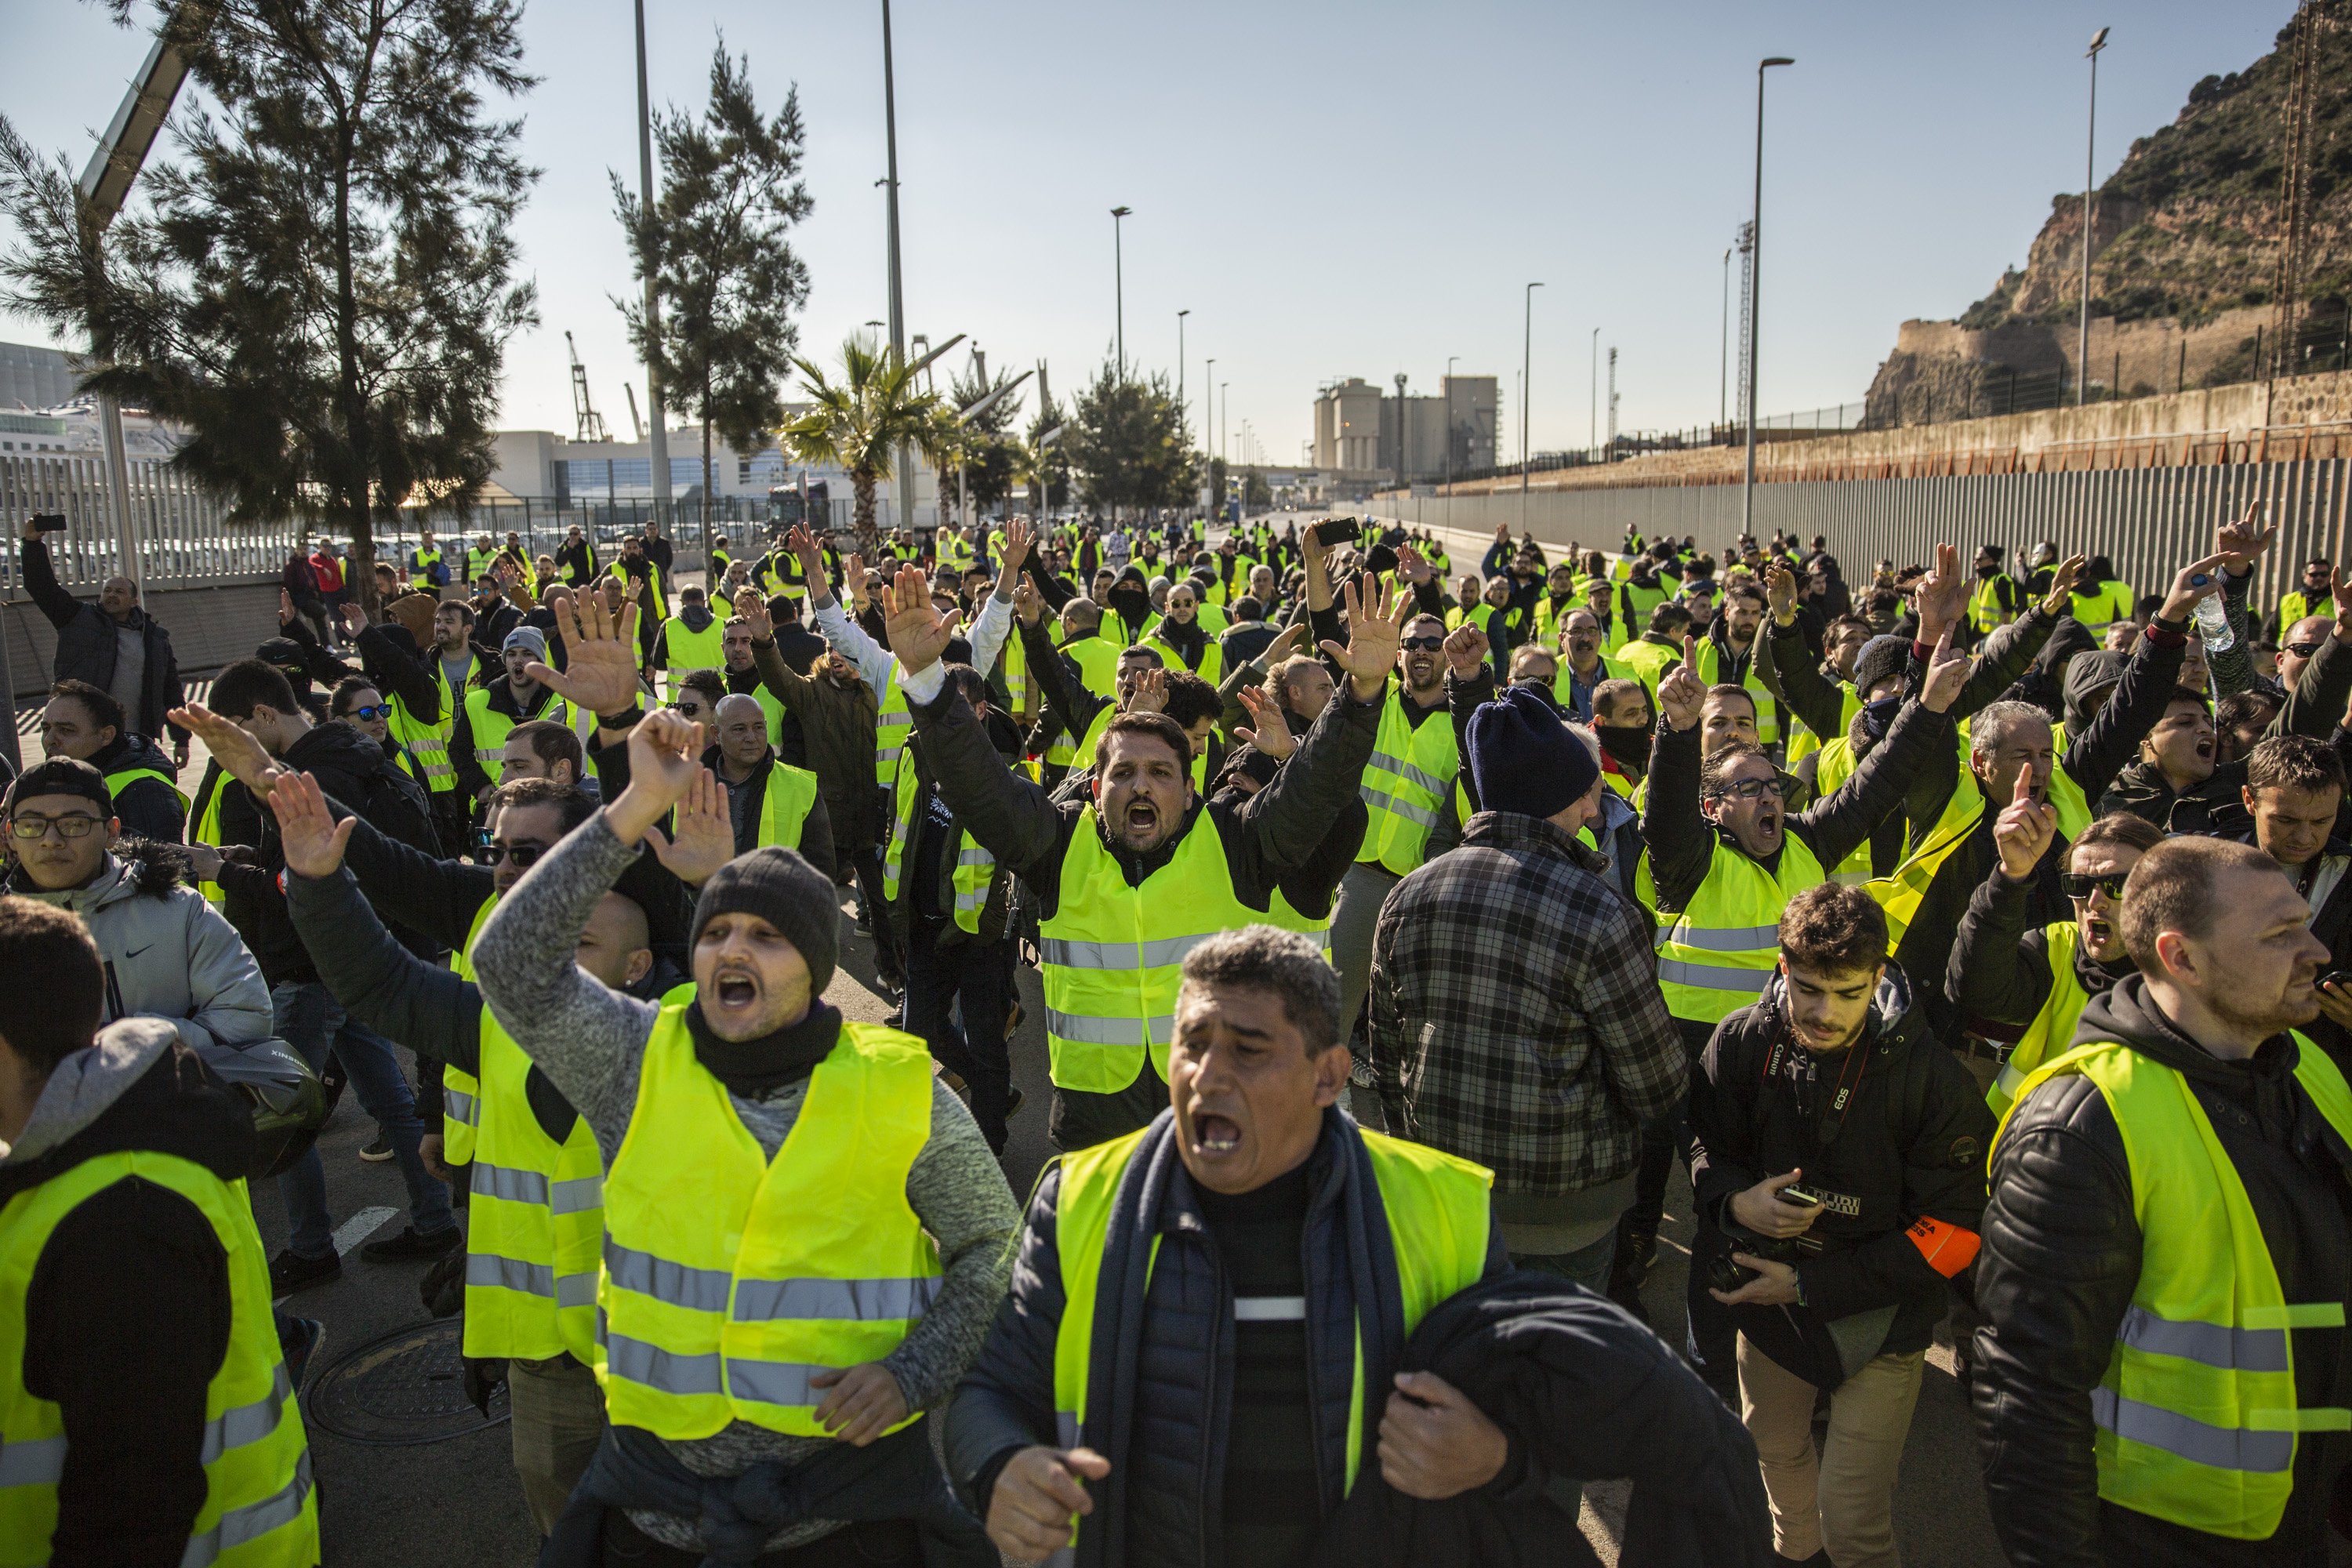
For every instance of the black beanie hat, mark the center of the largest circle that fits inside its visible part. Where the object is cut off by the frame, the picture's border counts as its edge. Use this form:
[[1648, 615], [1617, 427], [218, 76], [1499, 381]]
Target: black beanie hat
[[1523, 759], [63, 775], [1880, 657], [775, 884]]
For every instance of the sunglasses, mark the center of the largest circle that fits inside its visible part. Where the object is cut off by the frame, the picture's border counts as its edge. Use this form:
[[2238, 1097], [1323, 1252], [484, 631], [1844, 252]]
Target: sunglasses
[[523, 855], [2301, 649], [2079, 888], [1421, 645], [371, 711]]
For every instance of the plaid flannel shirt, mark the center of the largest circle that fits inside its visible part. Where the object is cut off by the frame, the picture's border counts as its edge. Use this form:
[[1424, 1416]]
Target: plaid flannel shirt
[[1515, 1016]]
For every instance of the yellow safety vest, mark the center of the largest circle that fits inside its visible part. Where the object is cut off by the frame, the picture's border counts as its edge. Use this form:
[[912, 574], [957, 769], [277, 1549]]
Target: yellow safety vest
[[538, 1230], [2097, 611], [1900, 892], [1768, 707], [479, 563], [259, 1511], [1633, 606], [1091, 743], [975, 868], [784, 807], [1113, 955], [2053, 1027], [1648, 663], [206, 828], [2066, 796], [1438, 1209], [1097, 664], [683, 650], [1405, 784], [2294, 605], [659, 608], [1802, 741], [429, 743], [491, 729], [426, 561], [1716, 956], [1212, 661], [730, 1279], [892, 724], [461, 1091], [117, 782], [1836, 766], [2198, 1422], [1985, 610]]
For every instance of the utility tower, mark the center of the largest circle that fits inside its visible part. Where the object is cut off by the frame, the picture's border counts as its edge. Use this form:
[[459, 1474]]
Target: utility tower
[[587, 425], [1612, 397], [1747, 249]]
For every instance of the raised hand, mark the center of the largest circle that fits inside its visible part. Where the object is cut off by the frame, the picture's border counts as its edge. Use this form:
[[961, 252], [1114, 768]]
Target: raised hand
[[2343, 592], [665, 762], [1466, 651], [313, 840], [285, 609], [1150, 692], [919, 634], [1270, 727], [354, 618], [754, 611], [705, 833], [1287, 641], [1410, 566], [1780, 592], [1027, 603], [853, 577], [1943, 593], [1376, 617], [2024, 830], [2243, 539], [1018, 537], [241, 756], [803, 546], [2061, 598], [1681, 693], [600, 671], [2191, 583], [1948, 671]]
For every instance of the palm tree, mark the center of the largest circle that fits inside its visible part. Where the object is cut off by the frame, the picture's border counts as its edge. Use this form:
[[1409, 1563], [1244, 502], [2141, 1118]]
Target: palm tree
[[859, 421]]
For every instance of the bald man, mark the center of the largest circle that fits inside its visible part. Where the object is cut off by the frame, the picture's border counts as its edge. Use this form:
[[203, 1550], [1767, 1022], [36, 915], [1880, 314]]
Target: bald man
[[769, 800]]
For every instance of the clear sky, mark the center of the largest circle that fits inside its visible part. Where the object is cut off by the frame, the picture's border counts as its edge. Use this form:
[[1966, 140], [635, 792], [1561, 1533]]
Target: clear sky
[[1337, 189]]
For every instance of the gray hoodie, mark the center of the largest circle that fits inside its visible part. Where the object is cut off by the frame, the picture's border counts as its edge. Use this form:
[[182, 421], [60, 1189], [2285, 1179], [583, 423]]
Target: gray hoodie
[[169, 954]]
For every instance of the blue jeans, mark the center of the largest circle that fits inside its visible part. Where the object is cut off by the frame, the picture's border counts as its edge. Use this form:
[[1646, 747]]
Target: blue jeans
[[315, 1025], [1588, 1266]]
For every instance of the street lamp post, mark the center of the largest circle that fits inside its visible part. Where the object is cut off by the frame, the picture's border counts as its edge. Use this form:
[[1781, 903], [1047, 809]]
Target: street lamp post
[[1226, 398], [1755, 277], [906, 466], [1119, 282], [658, 444], [2090, 196], [1592, 398], [1179, 373], [1401, 481], [1449, 437], [1526, 392]]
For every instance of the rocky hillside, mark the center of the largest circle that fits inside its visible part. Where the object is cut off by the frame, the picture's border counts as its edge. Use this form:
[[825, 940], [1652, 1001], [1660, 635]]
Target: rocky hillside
[[2184, 257]]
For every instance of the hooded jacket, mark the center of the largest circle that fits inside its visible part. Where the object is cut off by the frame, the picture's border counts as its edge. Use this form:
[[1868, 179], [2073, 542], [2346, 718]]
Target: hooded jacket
[[1583, 1390], [147, 808], [168, 953], [2061, 1257], [126, 1316], [1900, 1167]]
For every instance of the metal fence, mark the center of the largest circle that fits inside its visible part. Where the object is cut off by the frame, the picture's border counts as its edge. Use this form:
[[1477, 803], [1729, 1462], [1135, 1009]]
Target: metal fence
[[2148, 521]]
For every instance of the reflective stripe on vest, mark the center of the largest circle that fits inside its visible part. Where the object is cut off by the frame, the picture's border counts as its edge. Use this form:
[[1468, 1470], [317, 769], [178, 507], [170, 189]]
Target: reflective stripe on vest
[[684, 650], [2196, 1413], [730, 1279], [258, 1511], [1985, 610], [1900, 892], [1723, 945], [1405, 784], [975, 868], [2054, 1025], [490, 728], [461, 1108], [117, 782], [1112, 954], [892, 725], [534, 1245], [1768, 707], [1438, 1208]]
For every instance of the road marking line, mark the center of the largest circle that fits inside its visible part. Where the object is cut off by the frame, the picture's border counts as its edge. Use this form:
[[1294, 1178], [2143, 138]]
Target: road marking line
[[362, 1225]]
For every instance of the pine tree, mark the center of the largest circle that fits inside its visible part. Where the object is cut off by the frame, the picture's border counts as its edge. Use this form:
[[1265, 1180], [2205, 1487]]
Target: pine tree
[[317, 286]]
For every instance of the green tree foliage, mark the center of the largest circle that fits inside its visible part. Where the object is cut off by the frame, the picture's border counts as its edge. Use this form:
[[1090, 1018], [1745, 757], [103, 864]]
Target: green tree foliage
[[986, 449], [318, 284], [1126, 440], [1045, 467], [715, 244], [858, 420]]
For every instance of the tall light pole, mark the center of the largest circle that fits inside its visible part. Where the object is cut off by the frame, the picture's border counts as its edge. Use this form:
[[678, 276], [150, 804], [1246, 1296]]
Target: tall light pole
[[1723, 390], [1449, 437], [1118, 283], [1592, 398], [657, 449], [1226, 398], [1526, 392], [2090, 196], [906, 467], [1179, 370], [1754, 276]]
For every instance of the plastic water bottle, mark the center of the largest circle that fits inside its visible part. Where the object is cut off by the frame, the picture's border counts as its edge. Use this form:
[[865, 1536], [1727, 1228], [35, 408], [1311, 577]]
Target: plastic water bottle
[[2213, 620]]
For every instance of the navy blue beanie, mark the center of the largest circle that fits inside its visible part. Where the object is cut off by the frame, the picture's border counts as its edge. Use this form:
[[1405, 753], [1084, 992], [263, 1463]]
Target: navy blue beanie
[[1523, 759]]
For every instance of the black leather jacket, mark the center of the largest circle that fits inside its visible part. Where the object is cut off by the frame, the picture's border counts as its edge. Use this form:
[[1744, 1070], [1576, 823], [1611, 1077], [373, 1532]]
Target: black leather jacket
[[2060, 1261]]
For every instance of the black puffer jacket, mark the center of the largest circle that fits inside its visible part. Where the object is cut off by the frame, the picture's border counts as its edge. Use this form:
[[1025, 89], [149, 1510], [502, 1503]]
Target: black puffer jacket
[[2061, 1257], [1899, 1168], [87, 645], [1174, 1437]]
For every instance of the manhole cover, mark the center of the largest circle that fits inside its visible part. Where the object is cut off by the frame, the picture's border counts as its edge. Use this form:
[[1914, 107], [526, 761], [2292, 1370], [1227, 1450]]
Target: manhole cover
[[407, 1387]]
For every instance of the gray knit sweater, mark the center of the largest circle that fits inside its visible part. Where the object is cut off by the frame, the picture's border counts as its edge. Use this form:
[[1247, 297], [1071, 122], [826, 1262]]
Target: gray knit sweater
[[591, 1042]]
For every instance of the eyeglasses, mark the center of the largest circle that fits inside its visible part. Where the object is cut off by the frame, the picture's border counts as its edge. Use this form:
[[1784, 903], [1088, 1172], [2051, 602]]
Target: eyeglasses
[[2079, 888], [1750, 789], [1421, 645], [522, 855], [371, 711], [31, 828]]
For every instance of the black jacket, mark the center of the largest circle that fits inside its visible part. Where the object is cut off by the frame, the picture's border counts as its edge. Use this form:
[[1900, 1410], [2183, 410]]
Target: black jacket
[[1582, 1391], [2062, 1257], [127, 1317], [1168, 1452], [353, 772], [147, 809], [1907, 1151], [1999, 972], [86, 646]]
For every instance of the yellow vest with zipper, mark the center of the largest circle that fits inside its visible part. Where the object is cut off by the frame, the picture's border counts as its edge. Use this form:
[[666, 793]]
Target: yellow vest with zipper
[[1768, 707], [461, 1092], [975, 868], [1718, 952], [2053, 1027], [731, 1279], [784, 804], [429, 743], [2196, 1416], [892, 724], [683, 650], [206, 829], [1405, 784], [490, 728], [259, 1511], [1113, 955]]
